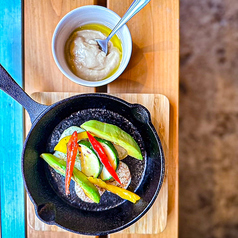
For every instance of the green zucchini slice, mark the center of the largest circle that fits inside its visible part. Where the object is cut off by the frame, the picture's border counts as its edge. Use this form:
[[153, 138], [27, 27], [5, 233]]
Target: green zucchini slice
[[90, 163], [112, 155]]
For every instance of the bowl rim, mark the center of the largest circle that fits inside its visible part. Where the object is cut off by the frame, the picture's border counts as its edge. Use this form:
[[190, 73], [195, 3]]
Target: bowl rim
[[77, 79]]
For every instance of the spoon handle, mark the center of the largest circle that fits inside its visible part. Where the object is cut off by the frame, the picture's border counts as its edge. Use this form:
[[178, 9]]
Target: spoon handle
[[135, 7]]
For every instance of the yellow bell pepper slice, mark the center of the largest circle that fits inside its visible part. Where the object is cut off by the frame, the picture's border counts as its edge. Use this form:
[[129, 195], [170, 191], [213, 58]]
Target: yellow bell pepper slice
[[62, 144], [121, 192]]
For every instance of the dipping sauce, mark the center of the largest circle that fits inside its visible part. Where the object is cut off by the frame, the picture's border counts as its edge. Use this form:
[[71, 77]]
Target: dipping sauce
[[84, 57]]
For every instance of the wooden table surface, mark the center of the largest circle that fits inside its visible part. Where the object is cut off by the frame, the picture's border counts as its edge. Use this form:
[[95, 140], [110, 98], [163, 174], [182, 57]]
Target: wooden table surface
[[153, 68]]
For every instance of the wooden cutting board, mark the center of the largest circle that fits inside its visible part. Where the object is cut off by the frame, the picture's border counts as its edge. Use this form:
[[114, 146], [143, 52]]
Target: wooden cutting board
[[155, 219]]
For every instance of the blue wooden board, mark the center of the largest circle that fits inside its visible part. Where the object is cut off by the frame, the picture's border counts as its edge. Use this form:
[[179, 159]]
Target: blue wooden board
[[11, 123]]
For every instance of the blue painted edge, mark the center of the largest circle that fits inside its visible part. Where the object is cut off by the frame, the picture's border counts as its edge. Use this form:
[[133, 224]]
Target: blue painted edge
[[11, 123]]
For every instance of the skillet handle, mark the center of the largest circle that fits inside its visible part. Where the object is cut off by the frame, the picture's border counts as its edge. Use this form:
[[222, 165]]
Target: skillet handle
[[9, 86]]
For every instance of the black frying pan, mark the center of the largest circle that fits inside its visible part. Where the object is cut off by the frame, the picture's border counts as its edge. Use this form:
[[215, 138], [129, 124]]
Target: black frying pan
[[46, 188]]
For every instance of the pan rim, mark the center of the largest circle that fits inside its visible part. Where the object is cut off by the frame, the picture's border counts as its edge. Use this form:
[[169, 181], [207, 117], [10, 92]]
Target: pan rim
[[161, 158]]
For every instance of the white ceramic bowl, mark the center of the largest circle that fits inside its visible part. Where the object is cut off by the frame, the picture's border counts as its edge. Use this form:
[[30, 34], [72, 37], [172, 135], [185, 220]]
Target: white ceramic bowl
[[86, 15]]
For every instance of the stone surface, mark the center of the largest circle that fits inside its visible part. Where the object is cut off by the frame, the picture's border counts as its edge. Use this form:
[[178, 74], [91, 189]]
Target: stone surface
[[208, 119]]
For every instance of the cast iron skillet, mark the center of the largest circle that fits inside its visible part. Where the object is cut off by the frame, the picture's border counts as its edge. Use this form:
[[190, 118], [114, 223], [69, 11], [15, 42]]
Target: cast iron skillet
[[46, 188]]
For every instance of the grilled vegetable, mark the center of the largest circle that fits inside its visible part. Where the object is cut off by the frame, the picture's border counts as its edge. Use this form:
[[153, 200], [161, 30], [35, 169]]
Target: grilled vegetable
[[60, 166], [102, 156], [90, 163], [114, 134], [121, 192], [112, 156], [63, 156], [122, 153], [72, 149], [62, 144], [70, 130]]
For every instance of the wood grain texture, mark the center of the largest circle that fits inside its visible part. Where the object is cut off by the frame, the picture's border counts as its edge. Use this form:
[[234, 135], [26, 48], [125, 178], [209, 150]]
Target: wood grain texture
[[41, 72], [155, 219], [153, 68], [12, 210]]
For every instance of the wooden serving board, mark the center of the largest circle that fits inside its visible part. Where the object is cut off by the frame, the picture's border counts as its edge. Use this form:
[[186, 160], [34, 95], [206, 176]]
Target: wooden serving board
[[155, 220]]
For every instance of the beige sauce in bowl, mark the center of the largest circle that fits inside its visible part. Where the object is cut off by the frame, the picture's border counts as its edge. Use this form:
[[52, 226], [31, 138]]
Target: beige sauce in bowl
[[84, 57]]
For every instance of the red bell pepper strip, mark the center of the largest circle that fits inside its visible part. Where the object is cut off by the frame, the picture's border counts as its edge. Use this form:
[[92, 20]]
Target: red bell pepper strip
[[72, 148], [103, 156]]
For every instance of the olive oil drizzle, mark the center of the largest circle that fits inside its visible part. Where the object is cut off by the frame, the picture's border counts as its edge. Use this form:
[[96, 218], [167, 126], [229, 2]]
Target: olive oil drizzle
[[106, 31]]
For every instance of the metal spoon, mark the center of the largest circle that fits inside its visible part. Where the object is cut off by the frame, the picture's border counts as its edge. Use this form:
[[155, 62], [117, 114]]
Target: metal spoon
[[135, 7]]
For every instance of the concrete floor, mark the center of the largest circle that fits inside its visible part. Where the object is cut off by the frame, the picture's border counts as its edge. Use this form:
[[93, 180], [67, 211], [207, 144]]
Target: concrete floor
[[208, 119]]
